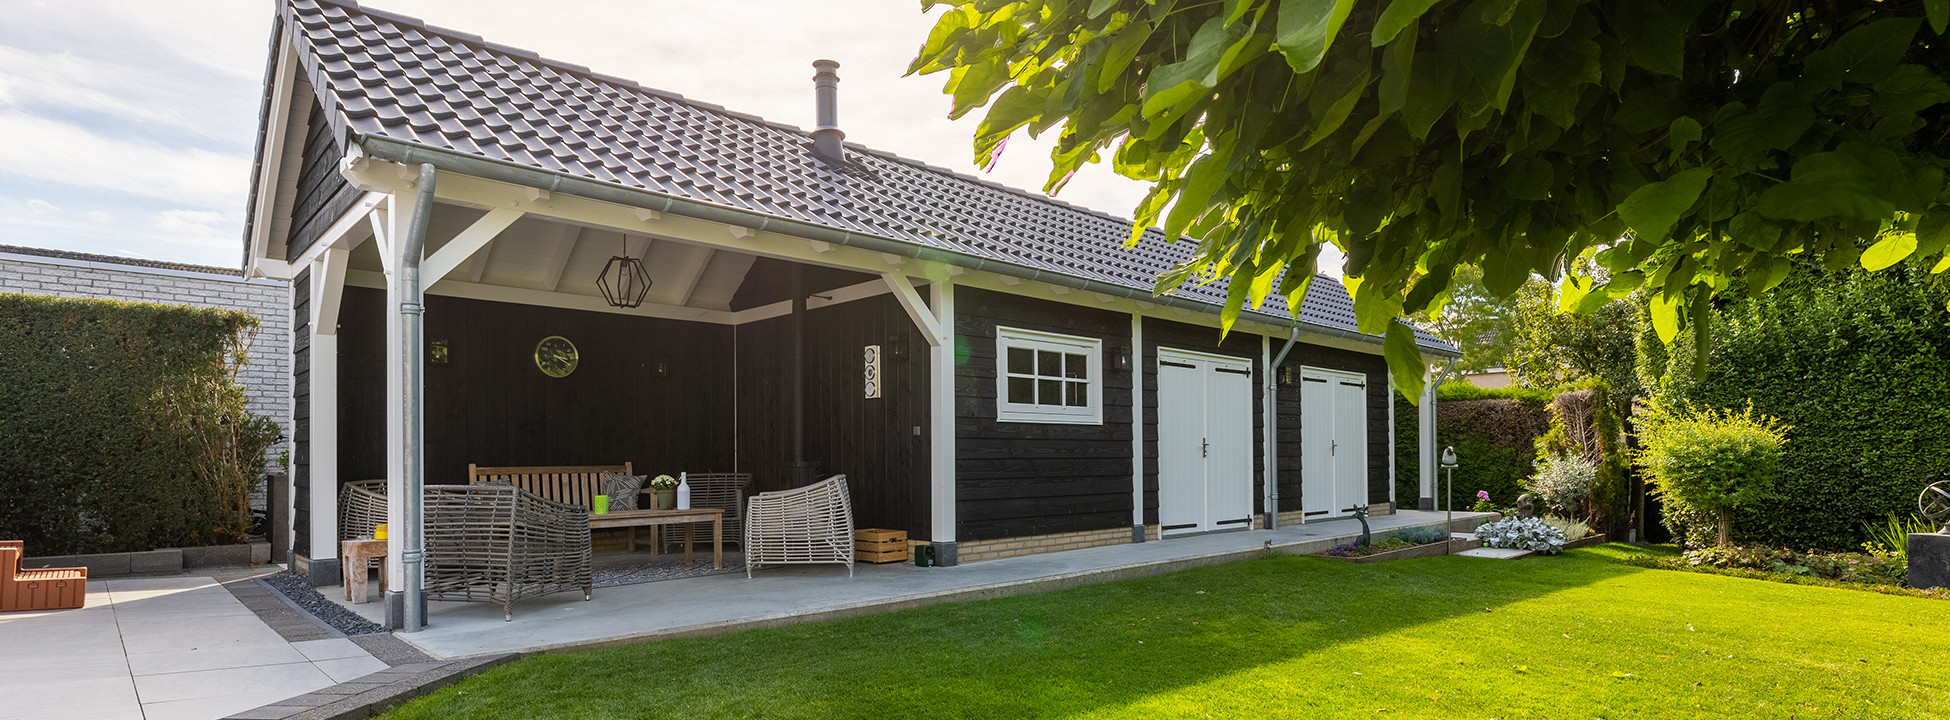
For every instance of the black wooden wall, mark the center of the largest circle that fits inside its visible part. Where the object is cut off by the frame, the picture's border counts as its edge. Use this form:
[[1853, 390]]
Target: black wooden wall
[[1180, 336], [881, 444], [323, 194], [1287, 404], [490, 405], [300, 414], [1017, 479]]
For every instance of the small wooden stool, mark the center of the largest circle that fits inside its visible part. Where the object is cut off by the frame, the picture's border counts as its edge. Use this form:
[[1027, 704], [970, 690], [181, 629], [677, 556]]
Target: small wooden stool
[[353, 555]]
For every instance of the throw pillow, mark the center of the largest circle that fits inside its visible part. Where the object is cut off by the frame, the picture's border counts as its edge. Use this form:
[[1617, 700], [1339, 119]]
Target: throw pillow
[[622, 490]]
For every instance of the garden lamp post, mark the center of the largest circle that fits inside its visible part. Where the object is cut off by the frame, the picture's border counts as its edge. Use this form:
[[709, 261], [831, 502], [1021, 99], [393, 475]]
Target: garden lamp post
[[1449, 498]]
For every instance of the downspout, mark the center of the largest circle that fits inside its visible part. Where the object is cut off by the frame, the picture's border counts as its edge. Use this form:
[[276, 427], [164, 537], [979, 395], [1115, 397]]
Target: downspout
[[1272, 432], [412, 312]]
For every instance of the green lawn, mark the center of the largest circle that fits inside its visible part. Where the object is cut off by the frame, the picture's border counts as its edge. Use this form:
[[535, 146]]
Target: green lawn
[[1576, 636]]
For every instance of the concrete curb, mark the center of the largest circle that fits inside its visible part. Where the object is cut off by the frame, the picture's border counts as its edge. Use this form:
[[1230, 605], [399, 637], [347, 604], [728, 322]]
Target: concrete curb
[[374, 694], [166, 560]]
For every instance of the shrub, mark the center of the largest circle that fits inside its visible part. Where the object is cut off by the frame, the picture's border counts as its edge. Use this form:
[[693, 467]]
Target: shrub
[[1422, 535], [124, 426], [1531, 534], [1890, 538], [1711, 461], [1495, 441], [1572, 529], [1564, 482], [1859, 364]]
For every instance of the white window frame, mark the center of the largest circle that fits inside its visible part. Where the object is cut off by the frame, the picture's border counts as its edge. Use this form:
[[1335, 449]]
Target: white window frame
[[1091, 413]]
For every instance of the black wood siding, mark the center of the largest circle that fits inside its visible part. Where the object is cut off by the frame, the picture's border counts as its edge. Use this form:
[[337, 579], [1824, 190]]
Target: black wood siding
[[490, 405], [323, 194], [300, 414], [1290, 463], [1180, 336], [880, 444], [1017, 479]]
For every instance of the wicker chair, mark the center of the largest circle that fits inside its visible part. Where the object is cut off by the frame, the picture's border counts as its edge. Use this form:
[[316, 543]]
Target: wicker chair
[[812, 524], [362, 506], [499, 543]]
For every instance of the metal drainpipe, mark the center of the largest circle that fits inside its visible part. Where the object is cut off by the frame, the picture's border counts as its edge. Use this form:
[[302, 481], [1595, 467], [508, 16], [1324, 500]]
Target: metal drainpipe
[[1273, 469], [412, 311]]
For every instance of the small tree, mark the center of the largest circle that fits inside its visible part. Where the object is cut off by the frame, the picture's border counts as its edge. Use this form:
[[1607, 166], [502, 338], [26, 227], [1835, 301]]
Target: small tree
[[1710, 461]]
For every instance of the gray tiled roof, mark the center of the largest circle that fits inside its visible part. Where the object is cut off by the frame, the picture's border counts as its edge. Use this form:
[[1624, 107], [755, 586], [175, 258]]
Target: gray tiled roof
[[380, 74]]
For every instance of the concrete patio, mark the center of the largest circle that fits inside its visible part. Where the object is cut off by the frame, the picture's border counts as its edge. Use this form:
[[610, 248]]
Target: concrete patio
[[783, 596], [160, 648]]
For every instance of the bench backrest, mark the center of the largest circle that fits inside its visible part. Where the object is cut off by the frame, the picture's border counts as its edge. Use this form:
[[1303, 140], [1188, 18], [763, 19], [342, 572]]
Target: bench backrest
[[571, 484]]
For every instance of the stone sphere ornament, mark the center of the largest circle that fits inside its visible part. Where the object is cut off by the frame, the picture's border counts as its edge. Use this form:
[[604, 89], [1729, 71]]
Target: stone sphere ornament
[[1934, 503]]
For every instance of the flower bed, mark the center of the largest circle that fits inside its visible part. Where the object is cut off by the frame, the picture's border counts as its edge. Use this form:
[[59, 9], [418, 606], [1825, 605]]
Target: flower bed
[[1407, 543]]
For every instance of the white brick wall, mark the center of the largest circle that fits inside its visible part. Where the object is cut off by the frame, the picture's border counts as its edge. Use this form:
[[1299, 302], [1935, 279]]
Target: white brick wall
[[266, 376]]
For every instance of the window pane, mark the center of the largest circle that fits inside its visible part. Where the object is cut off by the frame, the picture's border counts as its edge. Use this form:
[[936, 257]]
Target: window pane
[[1049, 364], [1076, 367], [1049, 392], [1079, 395], [1022, 390], [1022, 361]]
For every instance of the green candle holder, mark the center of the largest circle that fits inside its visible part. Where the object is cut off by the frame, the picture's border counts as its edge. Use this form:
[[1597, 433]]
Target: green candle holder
[[601, 505]]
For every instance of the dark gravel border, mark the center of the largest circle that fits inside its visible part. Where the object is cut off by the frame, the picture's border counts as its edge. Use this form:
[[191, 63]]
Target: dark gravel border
[[301, 593]]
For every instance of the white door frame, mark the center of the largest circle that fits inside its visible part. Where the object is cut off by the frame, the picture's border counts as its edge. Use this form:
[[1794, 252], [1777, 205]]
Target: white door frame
[[1207, 365], [1309, 415]]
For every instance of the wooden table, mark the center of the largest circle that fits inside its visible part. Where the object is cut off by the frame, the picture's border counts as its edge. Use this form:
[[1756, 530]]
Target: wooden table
[[632, 519], [353, 555]]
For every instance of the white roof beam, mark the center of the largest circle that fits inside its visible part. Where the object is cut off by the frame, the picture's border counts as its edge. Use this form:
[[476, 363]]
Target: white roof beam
[[467, 244]]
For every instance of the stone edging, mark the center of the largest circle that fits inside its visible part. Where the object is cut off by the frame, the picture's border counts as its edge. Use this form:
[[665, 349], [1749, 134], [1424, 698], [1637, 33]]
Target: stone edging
[[166, 560], [374, 694]]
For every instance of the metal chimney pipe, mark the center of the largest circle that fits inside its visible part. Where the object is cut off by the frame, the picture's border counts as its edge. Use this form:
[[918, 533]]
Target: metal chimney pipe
[[826, 128]]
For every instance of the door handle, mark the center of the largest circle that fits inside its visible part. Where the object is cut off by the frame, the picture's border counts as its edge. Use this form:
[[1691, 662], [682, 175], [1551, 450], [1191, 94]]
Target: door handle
[[1204, 447], [1333, 446]]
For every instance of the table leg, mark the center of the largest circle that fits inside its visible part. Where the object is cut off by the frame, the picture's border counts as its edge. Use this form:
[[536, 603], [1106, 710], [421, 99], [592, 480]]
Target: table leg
[[687, 542], [717, 543], [632, 533], [656, 539]]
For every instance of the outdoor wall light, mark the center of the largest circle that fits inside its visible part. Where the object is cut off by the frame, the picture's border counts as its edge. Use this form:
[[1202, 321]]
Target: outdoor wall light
[[895, 348], [659, 367], [1288, 378], [437, 354], [1120, 358]]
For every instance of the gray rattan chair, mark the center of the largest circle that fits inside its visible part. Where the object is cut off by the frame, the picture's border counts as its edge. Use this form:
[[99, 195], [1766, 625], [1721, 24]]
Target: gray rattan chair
[[362, 505], [812, 524], [499, 543], [724, 491]]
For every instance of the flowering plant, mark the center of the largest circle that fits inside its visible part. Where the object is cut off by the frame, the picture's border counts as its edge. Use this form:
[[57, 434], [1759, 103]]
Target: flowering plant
[[1483, 503], [663, 482], [1531, 534]]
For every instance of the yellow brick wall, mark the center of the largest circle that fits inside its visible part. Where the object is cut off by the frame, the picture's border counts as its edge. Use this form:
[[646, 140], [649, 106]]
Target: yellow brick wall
[[979, 550]]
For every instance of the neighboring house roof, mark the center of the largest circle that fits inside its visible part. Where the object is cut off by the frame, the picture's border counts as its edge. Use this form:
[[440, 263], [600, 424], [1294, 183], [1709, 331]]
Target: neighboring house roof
[[383, 75], [118, 260]]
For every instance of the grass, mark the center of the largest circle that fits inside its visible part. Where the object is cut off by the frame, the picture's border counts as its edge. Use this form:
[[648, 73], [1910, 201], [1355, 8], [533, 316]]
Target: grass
[[1573, 636]]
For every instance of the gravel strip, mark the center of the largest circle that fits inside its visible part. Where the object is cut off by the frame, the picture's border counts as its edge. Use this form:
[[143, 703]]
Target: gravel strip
[[301, 593], [643, 572]]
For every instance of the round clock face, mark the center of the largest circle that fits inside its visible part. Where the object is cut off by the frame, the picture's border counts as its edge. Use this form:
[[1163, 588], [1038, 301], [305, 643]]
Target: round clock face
[[556, 356]]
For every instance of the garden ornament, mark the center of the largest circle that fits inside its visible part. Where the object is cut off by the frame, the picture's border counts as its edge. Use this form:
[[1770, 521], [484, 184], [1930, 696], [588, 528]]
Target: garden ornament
[[1526, 506], [1935, 505], [1449, 502], [1361, 514]]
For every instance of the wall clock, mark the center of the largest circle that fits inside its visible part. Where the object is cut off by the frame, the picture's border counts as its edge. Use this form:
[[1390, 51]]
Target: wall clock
[[556, 356]]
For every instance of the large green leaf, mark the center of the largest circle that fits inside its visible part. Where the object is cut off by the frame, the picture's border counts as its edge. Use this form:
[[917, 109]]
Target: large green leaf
[[1665, 317], [1744, 136], [1117, 57], [1174, 84], [1405, 361], [1307, 28], [1652, 209], [1827, 185], [1939, 14], [1866, 54], [1401, 15], [1891, 249]]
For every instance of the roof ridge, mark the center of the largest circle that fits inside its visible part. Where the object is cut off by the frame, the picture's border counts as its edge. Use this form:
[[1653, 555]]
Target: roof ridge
[[119, 260]]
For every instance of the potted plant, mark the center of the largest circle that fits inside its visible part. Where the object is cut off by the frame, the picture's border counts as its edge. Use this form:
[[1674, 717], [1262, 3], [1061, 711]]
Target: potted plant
[[666, 487]]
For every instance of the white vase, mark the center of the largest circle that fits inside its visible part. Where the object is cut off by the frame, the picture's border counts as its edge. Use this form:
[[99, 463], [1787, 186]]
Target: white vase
[[683, 491]]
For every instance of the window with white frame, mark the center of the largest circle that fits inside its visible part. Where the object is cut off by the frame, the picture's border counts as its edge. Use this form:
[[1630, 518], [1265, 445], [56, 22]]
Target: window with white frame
[[1047, 378]]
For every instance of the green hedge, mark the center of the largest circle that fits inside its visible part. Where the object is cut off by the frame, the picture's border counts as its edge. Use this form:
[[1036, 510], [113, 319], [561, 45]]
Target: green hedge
[[122, 426], [1494, 433], [1859, 366], [1408, 454]]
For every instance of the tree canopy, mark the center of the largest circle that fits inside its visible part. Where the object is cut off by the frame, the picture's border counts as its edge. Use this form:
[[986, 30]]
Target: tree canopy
[[1686, 148]]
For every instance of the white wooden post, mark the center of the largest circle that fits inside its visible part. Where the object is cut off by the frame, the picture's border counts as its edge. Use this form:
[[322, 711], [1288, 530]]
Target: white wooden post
[[327, 287], [1426, 419], [941, 420]]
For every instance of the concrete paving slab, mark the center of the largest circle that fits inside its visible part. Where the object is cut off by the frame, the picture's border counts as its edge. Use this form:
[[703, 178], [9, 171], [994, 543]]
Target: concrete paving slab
[[215, 656], [254, 686], [330, 649], [1495, 553], [780, 596], [347, 669]]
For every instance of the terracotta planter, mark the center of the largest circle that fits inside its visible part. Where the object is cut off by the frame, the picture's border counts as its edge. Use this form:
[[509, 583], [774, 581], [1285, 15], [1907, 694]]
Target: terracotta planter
[[667, 498]]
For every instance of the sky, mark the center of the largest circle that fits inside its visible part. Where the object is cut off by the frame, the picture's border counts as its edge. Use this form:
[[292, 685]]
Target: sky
[[127, 126]]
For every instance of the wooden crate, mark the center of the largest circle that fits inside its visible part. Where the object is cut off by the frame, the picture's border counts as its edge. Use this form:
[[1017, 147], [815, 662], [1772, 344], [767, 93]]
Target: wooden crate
[[876, 545]]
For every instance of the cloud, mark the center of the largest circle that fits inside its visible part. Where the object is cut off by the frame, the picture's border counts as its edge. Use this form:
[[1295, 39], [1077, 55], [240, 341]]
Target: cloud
[[57, 152], [41, 207]]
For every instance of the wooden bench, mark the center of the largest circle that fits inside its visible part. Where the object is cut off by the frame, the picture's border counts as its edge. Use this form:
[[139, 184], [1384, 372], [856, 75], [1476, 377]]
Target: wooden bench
[[41, 588], [567, 484]]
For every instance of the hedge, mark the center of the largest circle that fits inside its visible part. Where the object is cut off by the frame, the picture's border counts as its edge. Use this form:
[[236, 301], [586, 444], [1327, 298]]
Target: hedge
[[1494, 432], [1859, 365], [122, 426]]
